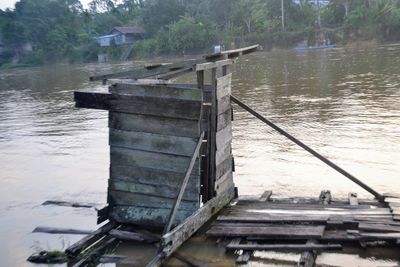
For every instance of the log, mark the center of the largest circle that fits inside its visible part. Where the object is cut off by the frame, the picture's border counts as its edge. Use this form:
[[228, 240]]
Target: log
[[48, 257], [70, 204], [58, 230]]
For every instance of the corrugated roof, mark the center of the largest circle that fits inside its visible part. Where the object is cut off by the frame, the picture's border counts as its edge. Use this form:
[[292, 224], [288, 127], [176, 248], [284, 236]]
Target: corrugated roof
[[128, 30]]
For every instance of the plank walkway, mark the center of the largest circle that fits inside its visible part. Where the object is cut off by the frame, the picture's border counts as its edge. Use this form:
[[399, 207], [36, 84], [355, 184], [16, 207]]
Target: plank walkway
[[306, 225]]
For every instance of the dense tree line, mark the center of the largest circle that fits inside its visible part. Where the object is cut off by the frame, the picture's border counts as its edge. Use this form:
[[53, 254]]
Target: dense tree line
[[63, 29]]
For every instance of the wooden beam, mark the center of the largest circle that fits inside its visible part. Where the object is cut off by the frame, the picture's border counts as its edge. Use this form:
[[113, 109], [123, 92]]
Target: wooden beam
[[213, 65], [183, 185], [132, 236], [88, 240], [154, 106], [285, 247], [175, 238]]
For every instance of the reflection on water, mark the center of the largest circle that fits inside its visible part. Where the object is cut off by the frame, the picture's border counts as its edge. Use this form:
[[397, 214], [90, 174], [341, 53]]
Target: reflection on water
[[342, 103]]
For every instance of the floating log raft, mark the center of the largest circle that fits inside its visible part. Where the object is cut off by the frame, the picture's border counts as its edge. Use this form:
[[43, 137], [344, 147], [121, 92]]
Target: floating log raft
[[279, 224]]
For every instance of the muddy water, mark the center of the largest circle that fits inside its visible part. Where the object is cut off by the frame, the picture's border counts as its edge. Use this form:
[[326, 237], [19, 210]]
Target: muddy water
[[343, 103]]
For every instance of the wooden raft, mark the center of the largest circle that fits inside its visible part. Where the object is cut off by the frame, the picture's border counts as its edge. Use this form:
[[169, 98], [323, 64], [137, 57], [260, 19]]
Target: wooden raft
[[306, 225]]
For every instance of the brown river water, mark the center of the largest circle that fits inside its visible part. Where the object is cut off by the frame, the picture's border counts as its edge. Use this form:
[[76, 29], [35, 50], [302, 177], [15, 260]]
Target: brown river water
[[344, 103]]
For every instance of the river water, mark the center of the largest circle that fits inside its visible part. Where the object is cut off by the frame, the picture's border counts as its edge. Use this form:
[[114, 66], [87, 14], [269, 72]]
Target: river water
[[344, 103]]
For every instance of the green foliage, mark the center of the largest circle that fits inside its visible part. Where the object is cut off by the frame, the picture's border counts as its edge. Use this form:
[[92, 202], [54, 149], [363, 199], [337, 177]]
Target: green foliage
[[60, 30]]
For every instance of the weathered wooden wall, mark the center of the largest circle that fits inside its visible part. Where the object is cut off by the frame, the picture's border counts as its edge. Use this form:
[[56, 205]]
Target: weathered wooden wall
[[150, 150]]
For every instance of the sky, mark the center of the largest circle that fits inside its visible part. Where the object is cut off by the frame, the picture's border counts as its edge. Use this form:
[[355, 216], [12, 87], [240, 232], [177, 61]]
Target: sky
[[10, 3]]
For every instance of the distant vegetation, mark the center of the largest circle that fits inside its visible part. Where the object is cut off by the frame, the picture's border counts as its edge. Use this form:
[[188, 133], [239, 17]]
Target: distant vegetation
[[59, 30]]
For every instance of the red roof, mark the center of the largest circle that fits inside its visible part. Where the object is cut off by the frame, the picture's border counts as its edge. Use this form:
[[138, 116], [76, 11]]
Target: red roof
[[125, 30]]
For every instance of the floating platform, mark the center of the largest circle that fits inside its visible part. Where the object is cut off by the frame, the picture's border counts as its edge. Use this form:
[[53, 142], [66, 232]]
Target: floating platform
[[171, 179]]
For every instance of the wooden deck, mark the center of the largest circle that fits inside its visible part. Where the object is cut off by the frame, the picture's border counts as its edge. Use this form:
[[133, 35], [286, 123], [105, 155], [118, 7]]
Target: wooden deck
[[307, 225]]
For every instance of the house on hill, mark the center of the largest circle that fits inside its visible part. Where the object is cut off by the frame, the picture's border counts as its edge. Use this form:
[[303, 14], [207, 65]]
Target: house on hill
[[121, 36]]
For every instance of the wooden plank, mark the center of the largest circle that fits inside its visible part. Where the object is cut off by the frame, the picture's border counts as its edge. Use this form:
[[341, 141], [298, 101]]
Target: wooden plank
[[375, 212], [265, 197], [120, 260], [144, 72], [171, 108], [223, 153], [224, 86], [223, 167], [132, 236], [149, 81], [224, 137], [233, 53], [274, 219], [146, 159], [170, 91], [191, 193], [274, 232], [353, 199], [122, 198], [379, 236], [156, 217], [91, 258], [371, 227], [136, 174], [285, 247], [213, 65], [224, 183], [224, 119], [154, 124], [181, 146], [88, 240], [174, 239], [211, 138], [224, 104]]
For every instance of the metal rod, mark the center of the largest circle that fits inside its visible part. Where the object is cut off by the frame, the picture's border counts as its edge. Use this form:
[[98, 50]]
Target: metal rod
[[184, 183], [308, 149]]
